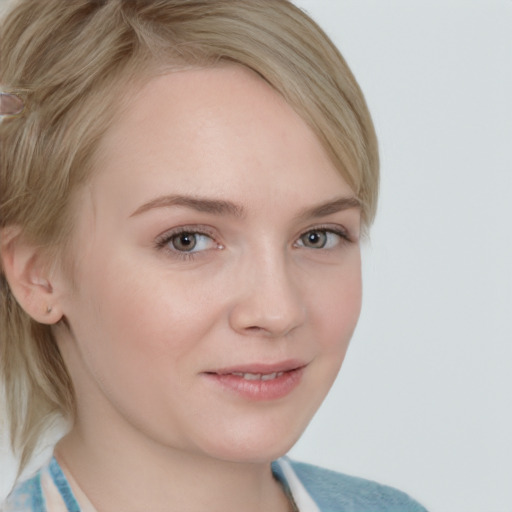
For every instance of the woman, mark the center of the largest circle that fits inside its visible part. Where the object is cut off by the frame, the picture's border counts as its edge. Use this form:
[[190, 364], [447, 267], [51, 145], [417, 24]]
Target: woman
[[184, 185]]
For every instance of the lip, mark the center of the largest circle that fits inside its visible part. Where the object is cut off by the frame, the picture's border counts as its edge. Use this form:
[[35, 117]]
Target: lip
[[281, 366], [264, 382]]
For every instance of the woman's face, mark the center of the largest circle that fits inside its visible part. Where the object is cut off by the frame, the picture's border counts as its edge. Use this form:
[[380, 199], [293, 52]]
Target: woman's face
[[217, 279]]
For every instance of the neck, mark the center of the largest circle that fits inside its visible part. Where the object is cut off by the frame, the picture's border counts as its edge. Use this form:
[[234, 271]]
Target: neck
[[121, 467], [164, 479]]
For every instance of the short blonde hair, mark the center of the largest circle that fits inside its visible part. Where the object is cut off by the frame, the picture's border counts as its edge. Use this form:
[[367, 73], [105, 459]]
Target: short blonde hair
[[71, 60]]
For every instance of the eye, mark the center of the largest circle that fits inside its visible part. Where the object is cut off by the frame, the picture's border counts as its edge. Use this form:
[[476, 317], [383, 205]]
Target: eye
[[186, 241], [189, 242], [322, 239]]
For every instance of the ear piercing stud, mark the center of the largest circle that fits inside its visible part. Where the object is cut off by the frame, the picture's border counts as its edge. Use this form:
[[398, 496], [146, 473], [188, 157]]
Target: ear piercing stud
[[49, 309]]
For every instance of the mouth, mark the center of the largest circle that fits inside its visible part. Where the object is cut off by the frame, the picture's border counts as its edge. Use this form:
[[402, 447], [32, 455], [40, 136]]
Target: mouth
[[259, 382], [258, 376]]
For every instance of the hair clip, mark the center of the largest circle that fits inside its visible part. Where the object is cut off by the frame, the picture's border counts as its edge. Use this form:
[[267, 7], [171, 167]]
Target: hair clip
[[11, 104]]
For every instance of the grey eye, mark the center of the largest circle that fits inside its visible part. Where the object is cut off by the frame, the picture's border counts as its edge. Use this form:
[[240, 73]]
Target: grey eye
[[314, 239], [184, 242], [190, 242]]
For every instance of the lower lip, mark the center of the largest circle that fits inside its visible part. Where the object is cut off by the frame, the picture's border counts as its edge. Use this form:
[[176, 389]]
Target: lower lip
[[259, 390]]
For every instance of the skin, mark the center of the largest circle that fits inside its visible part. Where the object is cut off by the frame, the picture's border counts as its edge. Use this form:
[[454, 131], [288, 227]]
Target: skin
[[145, 323]]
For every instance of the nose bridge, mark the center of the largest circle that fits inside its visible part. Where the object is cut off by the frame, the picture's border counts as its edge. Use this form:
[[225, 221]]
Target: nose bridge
[[269, 301]]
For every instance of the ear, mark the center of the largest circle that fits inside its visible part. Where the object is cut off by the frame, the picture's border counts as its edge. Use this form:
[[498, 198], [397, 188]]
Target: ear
[[28, 276]]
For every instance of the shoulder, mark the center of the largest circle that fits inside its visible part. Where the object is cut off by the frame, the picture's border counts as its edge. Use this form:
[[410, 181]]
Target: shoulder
[[25, 497], [45, 490], [336, 492]]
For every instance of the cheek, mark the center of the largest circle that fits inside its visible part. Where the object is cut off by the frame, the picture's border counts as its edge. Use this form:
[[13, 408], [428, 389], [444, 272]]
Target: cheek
[[144, 319], [140, 337], [336, 307]]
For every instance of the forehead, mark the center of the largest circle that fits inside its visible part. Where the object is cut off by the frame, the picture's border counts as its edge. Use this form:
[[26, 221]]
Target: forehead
[[216, 131]]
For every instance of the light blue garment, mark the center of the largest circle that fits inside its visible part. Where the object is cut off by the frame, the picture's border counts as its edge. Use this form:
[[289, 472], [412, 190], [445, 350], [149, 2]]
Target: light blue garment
[[336, 492], [28, 495], [330, 491]]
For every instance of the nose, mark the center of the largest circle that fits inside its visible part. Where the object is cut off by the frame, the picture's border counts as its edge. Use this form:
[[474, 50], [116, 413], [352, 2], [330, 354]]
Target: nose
[[269, 300]]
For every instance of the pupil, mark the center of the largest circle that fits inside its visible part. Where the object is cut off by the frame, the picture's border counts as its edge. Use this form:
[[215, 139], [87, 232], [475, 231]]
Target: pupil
[[316, 239], [185, 242]]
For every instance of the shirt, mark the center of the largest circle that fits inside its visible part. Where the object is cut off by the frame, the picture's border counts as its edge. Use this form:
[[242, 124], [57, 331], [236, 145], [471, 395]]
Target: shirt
[[313, 489]]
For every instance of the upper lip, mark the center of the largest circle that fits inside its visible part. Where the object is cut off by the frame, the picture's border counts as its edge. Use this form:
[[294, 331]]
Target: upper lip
[[261, 368]]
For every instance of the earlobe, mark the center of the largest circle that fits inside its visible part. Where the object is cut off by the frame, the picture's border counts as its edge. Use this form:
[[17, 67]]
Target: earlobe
[[28, 276]]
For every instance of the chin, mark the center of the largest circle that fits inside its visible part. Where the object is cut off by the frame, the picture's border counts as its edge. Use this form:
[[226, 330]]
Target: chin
[[254, 445]]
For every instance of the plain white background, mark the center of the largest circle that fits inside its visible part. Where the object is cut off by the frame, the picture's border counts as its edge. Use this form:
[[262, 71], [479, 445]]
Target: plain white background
[[423, 401]]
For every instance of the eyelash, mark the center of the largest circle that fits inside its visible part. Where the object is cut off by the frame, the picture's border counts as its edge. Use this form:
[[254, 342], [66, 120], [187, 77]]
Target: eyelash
[[163, 241], [335, 230]]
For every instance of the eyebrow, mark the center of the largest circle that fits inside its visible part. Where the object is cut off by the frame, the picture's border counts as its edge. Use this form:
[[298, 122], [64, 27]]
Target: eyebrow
[[222, 207], [200, 204], [334, 206]]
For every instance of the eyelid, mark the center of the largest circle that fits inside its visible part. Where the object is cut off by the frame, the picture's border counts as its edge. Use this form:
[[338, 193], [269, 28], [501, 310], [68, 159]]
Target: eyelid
[[162, 240], [337, 229], [198, 229]]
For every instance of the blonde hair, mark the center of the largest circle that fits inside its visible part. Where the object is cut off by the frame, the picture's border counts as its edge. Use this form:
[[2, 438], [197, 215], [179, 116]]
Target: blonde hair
[[71, 59]]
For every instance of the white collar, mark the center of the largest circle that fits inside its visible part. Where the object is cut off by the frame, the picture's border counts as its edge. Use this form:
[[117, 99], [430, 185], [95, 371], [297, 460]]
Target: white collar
[[301, 496]]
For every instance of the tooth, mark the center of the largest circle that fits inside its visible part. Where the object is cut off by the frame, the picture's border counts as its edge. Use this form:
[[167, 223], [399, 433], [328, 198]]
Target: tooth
[[252, 376], [258, 376]]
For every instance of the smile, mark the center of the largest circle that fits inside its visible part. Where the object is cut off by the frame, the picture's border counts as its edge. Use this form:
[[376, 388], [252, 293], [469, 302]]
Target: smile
[[259, 382], [258, 376]]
